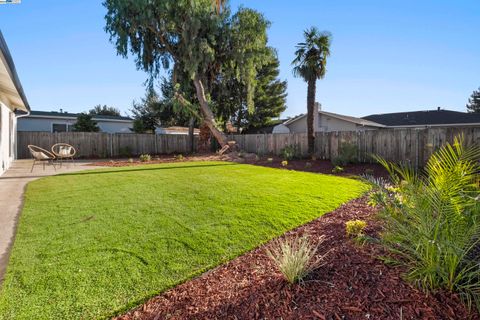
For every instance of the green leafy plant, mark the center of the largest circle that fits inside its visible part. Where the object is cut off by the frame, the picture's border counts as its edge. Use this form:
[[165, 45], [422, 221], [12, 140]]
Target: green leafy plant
[[337, 169], [308, 165], [131, 160], [284, 163], [179, 157], [289, 152], [125, 151], [296, 257], [369, 172], [145, 158], [433, 220], [355, 228], [270, 160], [347, 154]]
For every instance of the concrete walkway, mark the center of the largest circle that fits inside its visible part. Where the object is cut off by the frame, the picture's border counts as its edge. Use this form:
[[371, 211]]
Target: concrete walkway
[[12, 187]]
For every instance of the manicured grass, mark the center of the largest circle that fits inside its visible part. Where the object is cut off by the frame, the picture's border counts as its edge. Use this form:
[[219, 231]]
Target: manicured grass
[[93, 244]]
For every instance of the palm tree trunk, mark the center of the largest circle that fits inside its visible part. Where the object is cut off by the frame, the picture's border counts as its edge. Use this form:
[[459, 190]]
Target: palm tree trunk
[[312, 87], [207, 112]]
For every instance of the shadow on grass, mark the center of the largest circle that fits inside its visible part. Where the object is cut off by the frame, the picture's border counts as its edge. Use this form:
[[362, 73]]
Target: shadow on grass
[[121, 170]]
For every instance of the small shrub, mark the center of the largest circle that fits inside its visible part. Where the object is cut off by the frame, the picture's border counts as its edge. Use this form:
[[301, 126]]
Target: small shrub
[[378, 197], [270, 160], [125, 151], [179, 157], [145, 158], [308, 165], [296, 257], [369, 172], [338, 169], [284, 163], [347, 154], [355, 228], [289, 152], [130, 160]]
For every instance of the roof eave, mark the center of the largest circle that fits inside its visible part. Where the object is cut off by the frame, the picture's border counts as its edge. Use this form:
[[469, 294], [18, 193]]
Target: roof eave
[[6, 58]]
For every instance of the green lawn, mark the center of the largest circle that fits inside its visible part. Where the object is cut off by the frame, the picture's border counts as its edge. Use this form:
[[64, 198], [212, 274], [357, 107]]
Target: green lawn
[[96, 243]]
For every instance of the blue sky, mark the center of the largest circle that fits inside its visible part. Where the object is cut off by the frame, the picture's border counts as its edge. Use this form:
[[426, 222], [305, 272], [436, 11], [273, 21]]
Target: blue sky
[[386, 56]]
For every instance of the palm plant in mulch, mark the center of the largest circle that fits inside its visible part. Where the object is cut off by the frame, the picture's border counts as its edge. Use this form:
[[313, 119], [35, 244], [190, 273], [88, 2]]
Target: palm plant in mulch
[[432, 220]]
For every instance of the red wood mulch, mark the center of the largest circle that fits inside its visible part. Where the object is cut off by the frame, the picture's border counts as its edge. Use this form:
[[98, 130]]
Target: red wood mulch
[[353, 284], [316, 166]]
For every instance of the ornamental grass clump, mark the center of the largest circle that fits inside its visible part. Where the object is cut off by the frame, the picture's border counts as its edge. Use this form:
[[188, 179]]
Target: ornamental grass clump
[[296, 257], [433, 220]]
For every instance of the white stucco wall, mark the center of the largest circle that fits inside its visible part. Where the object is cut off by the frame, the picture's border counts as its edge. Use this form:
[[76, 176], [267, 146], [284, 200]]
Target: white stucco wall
[[45, 124], [7, 137]]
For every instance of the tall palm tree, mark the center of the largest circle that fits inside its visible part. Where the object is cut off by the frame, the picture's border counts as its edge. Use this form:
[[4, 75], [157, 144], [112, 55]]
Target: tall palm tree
[[310, 64]]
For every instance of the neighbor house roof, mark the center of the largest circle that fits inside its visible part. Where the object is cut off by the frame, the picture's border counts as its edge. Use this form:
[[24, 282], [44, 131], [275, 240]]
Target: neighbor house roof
[[68, 115], [359, 121], [10, 86], [425, 118]]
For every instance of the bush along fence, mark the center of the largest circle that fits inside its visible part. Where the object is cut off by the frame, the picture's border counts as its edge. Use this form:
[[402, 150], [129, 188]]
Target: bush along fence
[[413, 146], [104, 145]]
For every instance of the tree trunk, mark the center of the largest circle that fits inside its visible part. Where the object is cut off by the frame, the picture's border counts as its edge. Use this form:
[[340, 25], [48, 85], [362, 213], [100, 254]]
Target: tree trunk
[[312, 87], [191, 137], [207, 113]]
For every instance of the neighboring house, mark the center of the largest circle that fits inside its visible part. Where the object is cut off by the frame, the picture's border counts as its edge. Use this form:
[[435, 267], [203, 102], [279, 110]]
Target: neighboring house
[[12, 102], [326, 122], [64, 121], [425, 119]]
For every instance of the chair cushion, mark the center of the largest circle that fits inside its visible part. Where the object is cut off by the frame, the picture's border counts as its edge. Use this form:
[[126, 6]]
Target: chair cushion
[[40, 155], [65, 151]]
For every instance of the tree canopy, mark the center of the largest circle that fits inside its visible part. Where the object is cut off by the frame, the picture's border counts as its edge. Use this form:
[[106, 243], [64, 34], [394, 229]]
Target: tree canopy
[[85, 123], [192, 38], [473, 104], [104, 110]]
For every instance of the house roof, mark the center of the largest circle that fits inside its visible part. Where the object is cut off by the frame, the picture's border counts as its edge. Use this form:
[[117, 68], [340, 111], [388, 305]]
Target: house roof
[[359, 121], [425, 118], [10, 86], [68, 115]]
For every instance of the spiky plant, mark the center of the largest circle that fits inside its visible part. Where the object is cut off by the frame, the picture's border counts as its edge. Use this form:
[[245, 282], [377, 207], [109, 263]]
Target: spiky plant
[[434, 229], [295, 257]]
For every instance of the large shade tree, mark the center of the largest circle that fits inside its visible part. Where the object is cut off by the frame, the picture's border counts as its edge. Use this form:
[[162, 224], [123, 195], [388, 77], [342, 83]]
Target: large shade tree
[[192, 38], [310, 64]]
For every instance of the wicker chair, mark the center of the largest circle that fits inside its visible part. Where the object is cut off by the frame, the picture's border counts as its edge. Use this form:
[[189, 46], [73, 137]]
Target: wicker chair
[[41, 156], [64, 151]]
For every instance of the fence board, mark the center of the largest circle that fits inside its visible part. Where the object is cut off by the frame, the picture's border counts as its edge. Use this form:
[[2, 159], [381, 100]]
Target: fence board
[[406, 145], [103, 145]]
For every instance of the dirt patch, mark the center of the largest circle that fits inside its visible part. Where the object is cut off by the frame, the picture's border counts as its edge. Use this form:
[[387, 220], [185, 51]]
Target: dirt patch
[[353, 284], [316, 166]]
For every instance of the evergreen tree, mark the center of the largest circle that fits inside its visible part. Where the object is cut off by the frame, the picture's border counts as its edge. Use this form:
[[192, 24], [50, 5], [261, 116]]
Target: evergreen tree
[[85, 123], [104, 110], [145, 112], [473, 104], [269, 98], [270, 95]]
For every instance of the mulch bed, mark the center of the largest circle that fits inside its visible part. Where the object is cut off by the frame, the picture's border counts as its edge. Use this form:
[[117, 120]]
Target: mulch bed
[[316, 166], [352, 284]]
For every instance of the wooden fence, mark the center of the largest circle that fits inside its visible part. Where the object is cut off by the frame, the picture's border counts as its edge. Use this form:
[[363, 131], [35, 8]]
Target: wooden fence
[[103, 145], [407, 145]]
